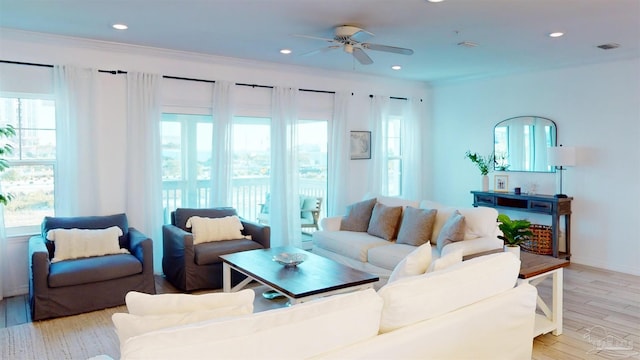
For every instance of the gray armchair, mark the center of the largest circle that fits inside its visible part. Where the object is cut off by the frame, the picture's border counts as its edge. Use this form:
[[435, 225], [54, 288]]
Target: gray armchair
[[76, 286], [189, 267]]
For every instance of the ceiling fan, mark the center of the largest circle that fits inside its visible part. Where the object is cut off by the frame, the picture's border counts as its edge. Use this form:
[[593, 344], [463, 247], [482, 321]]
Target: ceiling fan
[[349, 38]]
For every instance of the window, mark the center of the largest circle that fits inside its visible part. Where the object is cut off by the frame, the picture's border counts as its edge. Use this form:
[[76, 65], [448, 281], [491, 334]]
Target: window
[[186, 160], [312, 159], [30, 178], [251, 164], [394, 157]]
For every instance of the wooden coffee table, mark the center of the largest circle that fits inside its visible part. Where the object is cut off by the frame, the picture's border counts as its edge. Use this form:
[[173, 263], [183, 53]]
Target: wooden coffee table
[[314, 278], [533, 270]]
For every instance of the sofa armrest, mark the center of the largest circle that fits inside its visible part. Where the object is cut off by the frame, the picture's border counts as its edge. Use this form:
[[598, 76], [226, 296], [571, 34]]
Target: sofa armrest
[[331, 223], [38, 263], [474, 246], [141, 246], [259, 233]]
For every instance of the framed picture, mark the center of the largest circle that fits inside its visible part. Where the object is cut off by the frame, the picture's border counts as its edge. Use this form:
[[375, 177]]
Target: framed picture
[[360, 145], [501, 183]]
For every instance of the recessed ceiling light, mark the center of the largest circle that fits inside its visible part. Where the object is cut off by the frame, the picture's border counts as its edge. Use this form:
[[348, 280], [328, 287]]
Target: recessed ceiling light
[[396, 67], [285, 51], [435, 1], [120, 26], [556, 34]]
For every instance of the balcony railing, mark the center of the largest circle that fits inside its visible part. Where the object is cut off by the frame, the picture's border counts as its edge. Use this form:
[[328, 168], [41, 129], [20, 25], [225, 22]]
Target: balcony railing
[[247, 194]]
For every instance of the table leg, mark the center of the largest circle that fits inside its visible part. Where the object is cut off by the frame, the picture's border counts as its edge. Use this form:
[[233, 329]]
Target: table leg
[[226, 277], [556, 305]]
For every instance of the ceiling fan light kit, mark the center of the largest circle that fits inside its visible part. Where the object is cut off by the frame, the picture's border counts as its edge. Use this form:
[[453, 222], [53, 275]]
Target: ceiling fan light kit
[[350, 38]]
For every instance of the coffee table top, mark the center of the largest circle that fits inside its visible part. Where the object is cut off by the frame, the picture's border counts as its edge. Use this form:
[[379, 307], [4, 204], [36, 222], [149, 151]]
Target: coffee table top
[[315, 276], [534, 264]]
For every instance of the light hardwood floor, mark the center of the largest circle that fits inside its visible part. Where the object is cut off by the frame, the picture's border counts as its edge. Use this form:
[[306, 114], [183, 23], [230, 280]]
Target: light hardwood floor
[[601, 315]]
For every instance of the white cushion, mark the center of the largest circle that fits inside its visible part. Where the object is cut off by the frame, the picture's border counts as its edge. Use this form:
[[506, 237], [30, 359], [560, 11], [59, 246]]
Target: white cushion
[[414, 299], [286, 333], [450, 259], [351, 244], [389, 256], [215, 229], [479, 222], [128, 325], [79, 243], [416, 263], [139, 303]]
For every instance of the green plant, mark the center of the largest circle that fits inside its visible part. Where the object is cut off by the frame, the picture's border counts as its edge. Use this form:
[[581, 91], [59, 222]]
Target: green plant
[[514, 232], [484, 164], [6, 149]]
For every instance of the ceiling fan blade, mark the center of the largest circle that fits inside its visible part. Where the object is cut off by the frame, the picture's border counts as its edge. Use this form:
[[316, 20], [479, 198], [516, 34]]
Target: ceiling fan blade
[[391, 49], [361, 56], [314, 37], [321, 50]]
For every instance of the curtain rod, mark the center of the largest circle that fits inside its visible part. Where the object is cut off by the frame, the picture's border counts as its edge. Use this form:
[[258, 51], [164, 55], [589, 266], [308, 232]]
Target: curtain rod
[[392, 97], [271, 87]]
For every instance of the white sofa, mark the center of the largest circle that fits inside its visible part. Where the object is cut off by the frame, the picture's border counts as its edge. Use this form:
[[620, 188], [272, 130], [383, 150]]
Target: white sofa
[[371, 254], [467, 311]]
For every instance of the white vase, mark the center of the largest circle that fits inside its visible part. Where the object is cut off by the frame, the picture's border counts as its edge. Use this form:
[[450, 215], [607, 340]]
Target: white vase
[[515, 250], [485, 182]]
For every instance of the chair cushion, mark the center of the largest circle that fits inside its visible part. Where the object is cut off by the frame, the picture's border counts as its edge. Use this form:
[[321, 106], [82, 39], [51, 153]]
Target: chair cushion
[[80, 243], [93, 269], [209, 253], [181, 215], [215, 229]]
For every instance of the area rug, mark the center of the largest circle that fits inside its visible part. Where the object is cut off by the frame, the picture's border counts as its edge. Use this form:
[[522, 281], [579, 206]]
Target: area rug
[[72, 337]]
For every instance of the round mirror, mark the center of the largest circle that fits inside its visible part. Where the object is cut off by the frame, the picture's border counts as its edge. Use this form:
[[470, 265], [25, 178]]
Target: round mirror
[[521, 143]]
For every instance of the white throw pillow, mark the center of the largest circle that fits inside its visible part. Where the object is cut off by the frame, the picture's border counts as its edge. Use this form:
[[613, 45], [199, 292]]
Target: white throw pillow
[[139, 303], [215, 229], [80, 243], [128, 325], [416, 263], [452, 258]]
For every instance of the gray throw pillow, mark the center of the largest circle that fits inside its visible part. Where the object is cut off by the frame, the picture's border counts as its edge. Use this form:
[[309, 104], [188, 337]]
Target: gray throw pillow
[[452, 230], [358, 216], [384, 221], [416, 226]]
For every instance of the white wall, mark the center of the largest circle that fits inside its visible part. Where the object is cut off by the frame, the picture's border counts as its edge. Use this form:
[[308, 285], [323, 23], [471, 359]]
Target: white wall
[[596, 109], [45, 49]]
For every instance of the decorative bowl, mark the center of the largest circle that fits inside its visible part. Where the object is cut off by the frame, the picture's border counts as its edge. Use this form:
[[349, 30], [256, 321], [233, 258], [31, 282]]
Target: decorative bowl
[[290, 259]]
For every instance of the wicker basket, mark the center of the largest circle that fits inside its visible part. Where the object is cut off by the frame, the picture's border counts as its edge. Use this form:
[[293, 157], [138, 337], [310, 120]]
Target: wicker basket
[[540, 242]]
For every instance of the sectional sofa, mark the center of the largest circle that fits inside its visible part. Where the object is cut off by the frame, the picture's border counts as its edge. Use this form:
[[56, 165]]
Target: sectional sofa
[[365, 249], [470, 310]]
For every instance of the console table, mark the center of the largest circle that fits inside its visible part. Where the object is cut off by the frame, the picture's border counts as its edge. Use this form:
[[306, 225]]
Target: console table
[[541, 204]]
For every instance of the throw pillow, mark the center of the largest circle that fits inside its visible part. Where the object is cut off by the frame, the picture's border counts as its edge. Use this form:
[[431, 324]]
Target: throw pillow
[[358, 216], [128, 325], [139, 303], [384, 221], [417, 226], [452, 230], [215, 229], [444, 262], [416, 263], [80, 243]]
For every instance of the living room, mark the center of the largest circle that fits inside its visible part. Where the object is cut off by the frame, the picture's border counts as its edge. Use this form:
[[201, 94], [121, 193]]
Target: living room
[[595, 106]]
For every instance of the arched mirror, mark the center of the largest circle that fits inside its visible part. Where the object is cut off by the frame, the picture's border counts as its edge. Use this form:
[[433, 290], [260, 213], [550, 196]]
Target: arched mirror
[[521, 143]]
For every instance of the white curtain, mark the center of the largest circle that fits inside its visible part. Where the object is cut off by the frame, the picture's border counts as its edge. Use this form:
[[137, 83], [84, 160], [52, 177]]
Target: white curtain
[[412, 133], [377, 180], [220, 194], [338, 156], [76, 153], [3, 251], [284, 212], [143, 172]]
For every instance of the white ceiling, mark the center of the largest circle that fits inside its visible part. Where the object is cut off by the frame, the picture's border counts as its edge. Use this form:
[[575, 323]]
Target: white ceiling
[[511, 34]]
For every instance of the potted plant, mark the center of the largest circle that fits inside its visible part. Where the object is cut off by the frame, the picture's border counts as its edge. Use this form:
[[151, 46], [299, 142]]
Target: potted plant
[[6, 131], [484, 164], [514, 232]]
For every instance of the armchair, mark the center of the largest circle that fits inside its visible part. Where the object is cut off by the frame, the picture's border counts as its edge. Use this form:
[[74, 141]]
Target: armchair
[[191, 267], [78, 285]]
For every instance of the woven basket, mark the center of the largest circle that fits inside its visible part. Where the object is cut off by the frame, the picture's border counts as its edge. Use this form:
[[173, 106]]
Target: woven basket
[[540, 242]]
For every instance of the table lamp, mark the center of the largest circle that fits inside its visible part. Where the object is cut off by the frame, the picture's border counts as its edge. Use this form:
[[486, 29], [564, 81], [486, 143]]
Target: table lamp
[[561, 157]]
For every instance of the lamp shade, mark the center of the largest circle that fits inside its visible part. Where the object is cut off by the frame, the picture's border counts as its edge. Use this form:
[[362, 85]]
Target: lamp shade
[[561, 156]]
